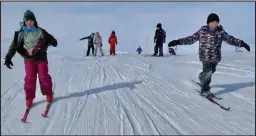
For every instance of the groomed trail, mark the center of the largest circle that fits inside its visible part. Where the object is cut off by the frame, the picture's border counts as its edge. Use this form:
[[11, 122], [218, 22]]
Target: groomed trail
[[133, 95]]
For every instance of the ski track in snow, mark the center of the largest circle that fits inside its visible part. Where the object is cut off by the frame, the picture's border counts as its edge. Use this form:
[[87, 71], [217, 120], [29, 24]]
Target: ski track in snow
[[134, 95], [13, 85]]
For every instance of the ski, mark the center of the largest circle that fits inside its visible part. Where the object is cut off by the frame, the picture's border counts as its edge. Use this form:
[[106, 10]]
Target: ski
[[218, 98], [47, 108], [213, 101], [24, 119]]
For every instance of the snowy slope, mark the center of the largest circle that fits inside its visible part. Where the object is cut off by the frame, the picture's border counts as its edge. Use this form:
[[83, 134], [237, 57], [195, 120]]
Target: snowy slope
[[132, 94]]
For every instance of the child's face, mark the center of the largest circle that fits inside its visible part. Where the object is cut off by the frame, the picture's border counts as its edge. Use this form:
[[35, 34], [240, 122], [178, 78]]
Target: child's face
[[157, 28], [213, 24], [29, 23]]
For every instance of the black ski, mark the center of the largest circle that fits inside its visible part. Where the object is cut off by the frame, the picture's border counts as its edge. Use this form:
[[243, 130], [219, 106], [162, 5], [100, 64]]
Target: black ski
[[213, 101]]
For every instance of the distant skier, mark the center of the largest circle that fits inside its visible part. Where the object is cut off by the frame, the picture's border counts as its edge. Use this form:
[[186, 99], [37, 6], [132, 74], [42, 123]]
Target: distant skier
[[171, 51], [112, 40], [90, 43], [31, 42], [210, 39], [97, 40], [139, 50], [159, 39]]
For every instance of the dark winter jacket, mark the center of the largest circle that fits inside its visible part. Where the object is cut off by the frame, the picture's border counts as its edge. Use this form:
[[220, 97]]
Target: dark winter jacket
[[90, 40], [159, 36], [210, 42], [139, 50], [40, 49]]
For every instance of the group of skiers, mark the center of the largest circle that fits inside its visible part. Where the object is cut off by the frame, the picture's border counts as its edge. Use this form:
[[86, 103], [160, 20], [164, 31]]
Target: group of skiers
[[95, 42], [32, 41]]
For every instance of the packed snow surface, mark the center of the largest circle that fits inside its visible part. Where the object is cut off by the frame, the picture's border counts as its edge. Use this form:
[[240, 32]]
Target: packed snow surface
[[132, 94]]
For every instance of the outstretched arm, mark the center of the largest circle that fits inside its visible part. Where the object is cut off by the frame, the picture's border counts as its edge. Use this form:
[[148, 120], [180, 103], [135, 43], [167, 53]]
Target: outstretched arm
[[190, 39], [231, 40], [87, 37], [235, 41], [186, 41]]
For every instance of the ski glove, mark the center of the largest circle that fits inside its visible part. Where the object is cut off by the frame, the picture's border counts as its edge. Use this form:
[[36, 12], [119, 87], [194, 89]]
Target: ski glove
[[246, 46], [54, 43], [8, 63], [173, 43]]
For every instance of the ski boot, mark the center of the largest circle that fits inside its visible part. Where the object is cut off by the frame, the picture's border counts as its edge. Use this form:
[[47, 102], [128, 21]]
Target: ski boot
[[29, 102], [207, 94], [161, 55], [49, 98], [154, 54]]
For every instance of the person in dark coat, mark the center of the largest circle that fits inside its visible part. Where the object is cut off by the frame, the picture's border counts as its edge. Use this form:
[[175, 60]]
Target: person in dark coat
[[139, 50], [159, 39], [90, 43], [210, 39]]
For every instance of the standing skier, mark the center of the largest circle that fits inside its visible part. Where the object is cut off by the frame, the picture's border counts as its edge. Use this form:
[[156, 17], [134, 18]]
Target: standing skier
[[31, 42], [139, 50], [90, 43], [98, 43], [210, 39], [159, 39], [112, 40]]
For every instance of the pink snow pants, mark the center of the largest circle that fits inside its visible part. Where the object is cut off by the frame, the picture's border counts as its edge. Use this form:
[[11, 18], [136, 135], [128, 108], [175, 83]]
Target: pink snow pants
[[32, 68]]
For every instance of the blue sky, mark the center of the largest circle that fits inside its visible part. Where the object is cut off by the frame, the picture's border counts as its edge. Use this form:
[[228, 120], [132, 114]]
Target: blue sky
[[132, 21]]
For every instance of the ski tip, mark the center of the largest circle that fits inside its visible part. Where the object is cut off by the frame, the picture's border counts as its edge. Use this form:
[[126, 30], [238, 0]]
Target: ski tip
[[227, 109], [43, 115], [23, 121]]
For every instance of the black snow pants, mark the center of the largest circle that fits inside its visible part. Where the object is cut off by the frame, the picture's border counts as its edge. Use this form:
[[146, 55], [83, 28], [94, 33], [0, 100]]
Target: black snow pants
[[158, 46], [206, 75], [88, 50]]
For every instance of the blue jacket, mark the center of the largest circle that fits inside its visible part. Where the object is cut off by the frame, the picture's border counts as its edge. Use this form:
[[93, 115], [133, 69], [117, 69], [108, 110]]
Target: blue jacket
[[139, 50]]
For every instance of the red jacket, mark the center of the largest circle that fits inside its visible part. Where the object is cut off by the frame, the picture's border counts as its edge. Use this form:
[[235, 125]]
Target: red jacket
[[112, 40]]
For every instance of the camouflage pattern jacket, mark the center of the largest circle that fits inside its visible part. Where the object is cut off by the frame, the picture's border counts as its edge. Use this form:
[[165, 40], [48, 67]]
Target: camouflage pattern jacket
[[210, 42]]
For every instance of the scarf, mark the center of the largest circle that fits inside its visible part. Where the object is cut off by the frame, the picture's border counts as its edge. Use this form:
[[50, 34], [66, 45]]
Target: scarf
[[28, 29]]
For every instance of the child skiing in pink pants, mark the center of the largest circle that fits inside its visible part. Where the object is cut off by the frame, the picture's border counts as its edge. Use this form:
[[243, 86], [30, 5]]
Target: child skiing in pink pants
[[31, 42]]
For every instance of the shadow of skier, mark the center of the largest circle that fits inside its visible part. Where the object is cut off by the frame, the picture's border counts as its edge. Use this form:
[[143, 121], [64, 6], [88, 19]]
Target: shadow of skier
[[227, 88], [130, 85]]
